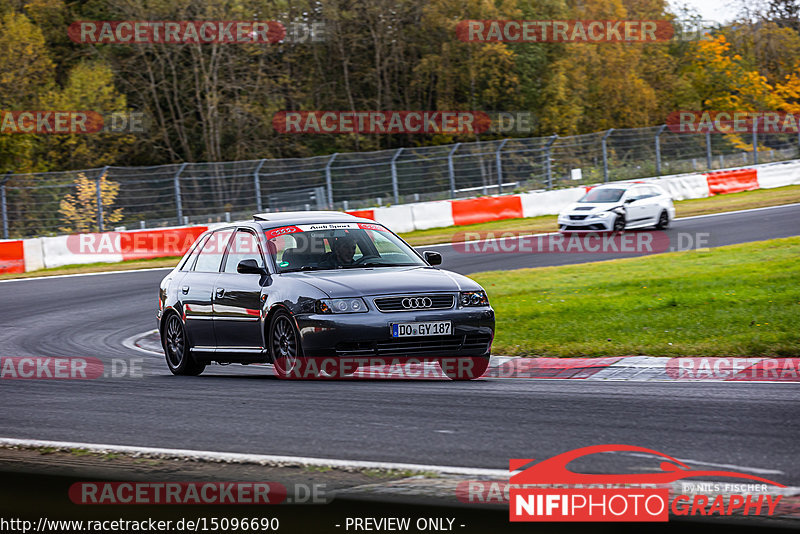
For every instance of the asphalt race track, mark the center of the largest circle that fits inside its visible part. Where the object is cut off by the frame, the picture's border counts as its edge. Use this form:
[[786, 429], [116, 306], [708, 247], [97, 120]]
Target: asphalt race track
[[746, 426]]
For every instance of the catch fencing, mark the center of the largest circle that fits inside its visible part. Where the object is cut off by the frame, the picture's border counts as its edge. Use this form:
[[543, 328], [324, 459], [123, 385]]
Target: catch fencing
[[202, 193]]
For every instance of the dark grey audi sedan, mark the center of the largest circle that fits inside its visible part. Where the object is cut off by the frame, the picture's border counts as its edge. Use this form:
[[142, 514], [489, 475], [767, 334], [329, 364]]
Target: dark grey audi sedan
[[318, 295]]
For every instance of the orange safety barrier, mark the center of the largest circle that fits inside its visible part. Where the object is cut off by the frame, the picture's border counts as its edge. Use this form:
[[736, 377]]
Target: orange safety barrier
[[366, 214], [158, 243], [722, 182], [478, 210], [12, 257]]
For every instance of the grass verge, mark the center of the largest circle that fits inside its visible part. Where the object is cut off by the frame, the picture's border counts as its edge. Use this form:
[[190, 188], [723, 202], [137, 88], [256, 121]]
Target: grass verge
[[739, 300]]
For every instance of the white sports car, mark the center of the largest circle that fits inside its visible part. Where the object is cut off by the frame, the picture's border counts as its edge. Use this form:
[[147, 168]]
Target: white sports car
[[619, 206]]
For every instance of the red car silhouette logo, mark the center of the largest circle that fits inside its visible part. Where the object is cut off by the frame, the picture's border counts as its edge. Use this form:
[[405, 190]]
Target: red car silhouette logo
[[554, 470]]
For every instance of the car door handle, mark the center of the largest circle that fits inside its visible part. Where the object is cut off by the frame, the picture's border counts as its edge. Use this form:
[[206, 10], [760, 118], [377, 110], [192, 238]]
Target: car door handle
[[220, 292], [185, 289]]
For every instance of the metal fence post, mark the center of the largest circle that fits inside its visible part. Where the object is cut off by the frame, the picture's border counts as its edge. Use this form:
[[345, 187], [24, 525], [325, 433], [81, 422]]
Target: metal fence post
[[499, 165], [178, 201], [329, 180], [708, 149], [257, 185], [658, 148], [395, 188], [548, 172], [3, 206], [755, 141], [98, 182], [451, 170], [605, 154]]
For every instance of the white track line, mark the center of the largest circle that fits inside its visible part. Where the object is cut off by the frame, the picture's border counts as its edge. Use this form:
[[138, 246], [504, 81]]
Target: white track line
[[130, 342], [86, 274], [262, 459]]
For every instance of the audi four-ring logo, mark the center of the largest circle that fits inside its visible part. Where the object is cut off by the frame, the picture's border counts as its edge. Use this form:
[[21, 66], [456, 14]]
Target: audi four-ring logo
[[417, 302]]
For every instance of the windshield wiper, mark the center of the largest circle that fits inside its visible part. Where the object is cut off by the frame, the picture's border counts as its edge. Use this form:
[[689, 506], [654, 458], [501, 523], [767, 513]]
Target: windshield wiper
[[304, 268], [378, 264]]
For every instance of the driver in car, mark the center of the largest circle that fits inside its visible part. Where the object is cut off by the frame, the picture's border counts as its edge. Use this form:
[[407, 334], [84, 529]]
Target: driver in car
[[344, 248]]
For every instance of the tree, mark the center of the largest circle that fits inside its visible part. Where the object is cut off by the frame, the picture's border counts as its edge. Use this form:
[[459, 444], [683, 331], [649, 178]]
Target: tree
[[79, 210]]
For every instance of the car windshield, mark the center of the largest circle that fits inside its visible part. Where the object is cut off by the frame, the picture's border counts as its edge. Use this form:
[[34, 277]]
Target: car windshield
[[317, 247], [603, 195]]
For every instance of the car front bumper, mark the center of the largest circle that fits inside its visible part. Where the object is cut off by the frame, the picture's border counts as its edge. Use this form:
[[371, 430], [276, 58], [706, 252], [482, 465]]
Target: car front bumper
[[565, 224], [368, 335]]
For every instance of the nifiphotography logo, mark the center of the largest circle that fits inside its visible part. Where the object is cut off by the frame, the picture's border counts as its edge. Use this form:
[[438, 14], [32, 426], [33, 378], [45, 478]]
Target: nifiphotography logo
[[626, 497]]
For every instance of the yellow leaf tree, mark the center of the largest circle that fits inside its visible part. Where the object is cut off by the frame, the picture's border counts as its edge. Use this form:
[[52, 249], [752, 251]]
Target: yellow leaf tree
[[79, 210]]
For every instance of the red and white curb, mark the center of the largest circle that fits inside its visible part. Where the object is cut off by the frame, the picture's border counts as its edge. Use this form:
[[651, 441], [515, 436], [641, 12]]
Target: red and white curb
[[614, 368]]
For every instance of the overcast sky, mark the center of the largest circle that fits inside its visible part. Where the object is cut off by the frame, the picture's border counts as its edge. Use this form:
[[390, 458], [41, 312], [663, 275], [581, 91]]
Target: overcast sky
[[716, 10]]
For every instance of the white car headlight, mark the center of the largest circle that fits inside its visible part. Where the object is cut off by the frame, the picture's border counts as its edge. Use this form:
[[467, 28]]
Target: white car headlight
[[603, 215]]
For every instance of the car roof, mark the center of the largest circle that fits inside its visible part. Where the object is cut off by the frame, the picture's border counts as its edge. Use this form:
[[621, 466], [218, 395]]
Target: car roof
[[273, 220], [622, 185]]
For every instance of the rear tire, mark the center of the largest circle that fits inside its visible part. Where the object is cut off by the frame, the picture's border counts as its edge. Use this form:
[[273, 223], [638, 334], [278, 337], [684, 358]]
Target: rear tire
[[464, 368], [663, 221], [176, 348]]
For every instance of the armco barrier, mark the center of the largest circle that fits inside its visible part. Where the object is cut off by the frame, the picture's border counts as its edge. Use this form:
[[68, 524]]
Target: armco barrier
[[12, 257], [34, 254], [734, 181]]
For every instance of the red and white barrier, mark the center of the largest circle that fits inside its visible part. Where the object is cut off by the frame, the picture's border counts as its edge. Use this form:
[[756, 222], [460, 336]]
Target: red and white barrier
[[33, 254], [12, 257]]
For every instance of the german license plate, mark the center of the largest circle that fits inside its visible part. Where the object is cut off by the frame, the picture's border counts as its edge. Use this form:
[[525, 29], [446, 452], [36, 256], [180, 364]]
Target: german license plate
[[432, 328]]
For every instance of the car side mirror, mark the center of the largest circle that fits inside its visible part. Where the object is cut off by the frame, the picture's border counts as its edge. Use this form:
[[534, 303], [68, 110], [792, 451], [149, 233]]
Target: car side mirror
[[433, 258], [629, 200], [250, 267]]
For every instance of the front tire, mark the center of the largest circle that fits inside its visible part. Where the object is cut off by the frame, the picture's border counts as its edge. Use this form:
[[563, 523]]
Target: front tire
[[176, 349], [619, 223], [284, 346], [663, 221], [464, 368]]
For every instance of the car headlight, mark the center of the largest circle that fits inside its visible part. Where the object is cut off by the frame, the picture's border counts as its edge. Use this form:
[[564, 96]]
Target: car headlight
[[356, 305], [603, 215], [474, 298]]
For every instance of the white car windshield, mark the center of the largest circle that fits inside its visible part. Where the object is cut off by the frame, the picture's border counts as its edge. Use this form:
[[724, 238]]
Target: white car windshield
[[337, 246], [603, 195]]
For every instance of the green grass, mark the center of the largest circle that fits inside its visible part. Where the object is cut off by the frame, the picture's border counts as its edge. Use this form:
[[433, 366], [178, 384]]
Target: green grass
[[739, 300]]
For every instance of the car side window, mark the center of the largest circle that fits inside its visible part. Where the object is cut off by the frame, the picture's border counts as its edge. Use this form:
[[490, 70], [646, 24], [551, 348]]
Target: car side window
[[210, 257], [188, 264], [637, 193], [244, 246]]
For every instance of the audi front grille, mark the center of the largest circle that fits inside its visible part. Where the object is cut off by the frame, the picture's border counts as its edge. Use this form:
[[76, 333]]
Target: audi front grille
[[415, 302]]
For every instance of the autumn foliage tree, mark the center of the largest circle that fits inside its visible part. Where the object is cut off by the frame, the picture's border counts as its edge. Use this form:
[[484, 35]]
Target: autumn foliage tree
[[79, 210]]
